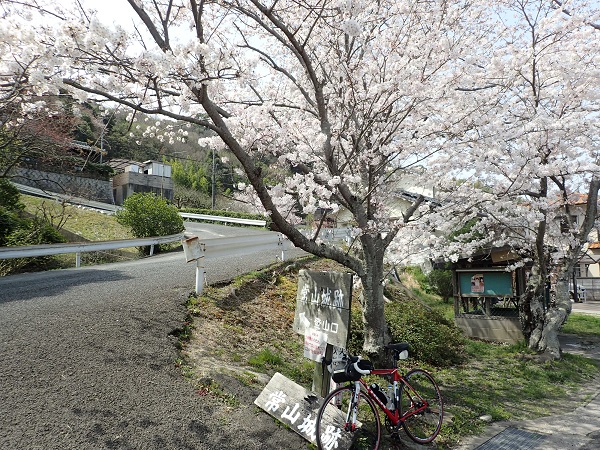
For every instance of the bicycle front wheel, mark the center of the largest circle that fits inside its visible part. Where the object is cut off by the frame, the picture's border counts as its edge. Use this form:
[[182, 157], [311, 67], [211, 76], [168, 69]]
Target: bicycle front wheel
[[336, 427], [421, 405]]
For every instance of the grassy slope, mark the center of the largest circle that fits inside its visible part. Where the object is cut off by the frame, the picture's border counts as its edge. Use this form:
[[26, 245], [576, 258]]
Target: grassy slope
[[86, 223]]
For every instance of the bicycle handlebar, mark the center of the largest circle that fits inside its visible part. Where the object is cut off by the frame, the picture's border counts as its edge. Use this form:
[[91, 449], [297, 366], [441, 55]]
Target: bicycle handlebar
[[358, 369]]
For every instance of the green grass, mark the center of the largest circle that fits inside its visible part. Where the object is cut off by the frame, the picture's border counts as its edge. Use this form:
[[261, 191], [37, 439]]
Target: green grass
[[506, 381], [88, 224], [266, 359], [582, 324]]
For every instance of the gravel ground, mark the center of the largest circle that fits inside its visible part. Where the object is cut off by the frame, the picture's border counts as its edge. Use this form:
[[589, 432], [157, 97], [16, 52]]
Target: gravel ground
[[88, 362]]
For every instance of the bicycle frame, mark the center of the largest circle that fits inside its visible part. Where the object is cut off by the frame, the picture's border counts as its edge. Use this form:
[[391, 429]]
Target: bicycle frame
[[398, 381]]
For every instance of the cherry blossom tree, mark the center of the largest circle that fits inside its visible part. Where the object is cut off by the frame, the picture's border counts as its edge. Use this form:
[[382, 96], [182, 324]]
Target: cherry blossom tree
[[343, 96], [31, 125], [535, 150]]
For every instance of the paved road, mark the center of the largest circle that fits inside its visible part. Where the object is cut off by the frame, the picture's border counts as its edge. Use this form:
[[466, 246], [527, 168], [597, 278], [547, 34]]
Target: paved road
[[87, 360], [591, 307]]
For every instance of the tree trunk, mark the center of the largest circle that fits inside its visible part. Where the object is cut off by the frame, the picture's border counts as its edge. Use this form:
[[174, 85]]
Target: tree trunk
[[531, 307], [375, 325], [555, 317]]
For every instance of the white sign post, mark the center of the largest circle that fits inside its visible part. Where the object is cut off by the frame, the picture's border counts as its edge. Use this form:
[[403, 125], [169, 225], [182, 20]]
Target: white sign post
[[194, 251]]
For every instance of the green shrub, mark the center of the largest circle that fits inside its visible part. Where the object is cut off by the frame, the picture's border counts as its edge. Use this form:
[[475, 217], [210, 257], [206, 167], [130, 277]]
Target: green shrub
[[35, 232], [356, 335], [9, 222], [433, 339], [149, 215], [10, 197], [441, 283], [31, 232]]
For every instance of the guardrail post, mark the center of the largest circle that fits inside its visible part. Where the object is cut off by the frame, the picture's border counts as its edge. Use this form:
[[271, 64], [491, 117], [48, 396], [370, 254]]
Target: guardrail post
[[282, 245], [151, 249], [78, 259], [199, 277], [194, 251]]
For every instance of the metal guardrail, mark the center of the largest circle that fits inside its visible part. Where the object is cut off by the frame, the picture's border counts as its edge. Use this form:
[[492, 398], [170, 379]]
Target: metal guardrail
[[260, 223], [31, 251], [199, 251], [103, 207], [111, 209]]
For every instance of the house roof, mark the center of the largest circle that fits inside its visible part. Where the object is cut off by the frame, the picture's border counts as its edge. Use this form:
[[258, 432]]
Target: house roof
[[119, 164], [577, 198], [594, 245]]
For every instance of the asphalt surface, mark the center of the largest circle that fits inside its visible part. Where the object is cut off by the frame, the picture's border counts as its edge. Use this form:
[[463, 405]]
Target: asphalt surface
[[87, 359]]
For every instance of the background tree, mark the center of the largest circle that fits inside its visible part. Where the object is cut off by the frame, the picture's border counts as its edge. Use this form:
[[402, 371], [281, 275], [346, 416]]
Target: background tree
[[535, 150]]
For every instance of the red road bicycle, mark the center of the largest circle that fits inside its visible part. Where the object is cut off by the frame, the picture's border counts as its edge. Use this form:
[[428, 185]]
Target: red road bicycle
[[349, 416]]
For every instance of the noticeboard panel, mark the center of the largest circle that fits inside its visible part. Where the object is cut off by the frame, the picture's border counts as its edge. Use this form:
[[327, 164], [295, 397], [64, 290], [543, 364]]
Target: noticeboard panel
[[482, 283]]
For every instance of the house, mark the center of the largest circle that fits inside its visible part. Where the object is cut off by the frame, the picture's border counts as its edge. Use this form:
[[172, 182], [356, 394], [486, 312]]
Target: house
[[149, 176], [586, 274]]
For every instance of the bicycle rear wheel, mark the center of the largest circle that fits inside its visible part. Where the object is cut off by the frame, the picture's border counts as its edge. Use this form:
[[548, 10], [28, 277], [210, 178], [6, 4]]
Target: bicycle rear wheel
[[334, 422], [420, 397]]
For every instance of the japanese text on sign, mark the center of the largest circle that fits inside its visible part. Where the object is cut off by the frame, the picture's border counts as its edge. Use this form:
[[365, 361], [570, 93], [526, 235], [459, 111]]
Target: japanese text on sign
[[323, 303]]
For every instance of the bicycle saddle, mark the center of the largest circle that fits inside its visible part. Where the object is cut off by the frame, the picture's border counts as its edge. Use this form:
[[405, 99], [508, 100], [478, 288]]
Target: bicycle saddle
[[399, 347]]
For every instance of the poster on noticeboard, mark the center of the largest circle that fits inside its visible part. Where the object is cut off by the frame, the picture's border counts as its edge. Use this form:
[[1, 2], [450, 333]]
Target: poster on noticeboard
[[477, 283]]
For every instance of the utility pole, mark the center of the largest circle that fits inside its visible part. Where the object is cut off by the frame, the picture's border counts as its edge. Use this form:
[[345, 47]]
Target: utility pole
[[101, 144], [214, 193]]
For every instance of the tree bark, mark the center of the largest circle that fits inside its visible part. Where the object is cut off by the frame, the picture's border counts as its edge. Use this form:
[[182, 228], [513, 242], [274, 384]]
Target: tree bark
[[376, 333], [555, 317], [374, 322]]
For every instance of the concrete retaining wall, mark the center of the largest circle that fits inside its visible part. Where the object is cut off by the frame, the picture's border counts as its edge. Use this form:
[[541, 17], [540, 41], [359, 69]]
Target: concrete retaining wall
[[498, 329], [90, 188]]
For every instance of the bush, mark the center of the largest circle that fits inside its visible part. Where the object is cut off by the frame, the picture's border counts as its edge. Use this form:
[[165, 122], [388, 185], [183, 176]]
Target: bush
[[148, 215], [9, 222], [441, 283], [433, 339], [35, 232], [31, 232], [10, 197]]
